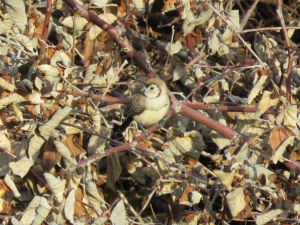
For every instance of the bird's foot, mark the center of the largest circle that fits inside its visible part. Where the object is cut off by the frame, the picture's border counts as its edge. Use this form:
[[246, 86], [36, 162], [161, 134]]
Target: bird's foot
[[148, 134], [161, 123]]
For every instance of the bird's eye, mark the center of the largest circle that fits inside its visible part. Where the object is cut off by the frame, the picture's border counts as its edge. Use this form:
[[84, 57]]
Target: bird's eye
[[152, 88]]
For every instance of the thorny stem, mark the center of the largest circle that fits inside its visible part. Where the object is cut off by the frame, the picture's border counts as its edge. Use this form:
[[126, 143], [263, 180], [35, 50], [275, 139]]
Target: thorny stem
[[45, 30], [212, 124]]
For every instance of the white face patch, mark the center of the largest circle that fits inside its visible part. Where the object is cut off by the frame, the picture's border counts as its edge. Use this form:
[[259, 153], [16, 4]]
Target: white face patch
[[152, 91]]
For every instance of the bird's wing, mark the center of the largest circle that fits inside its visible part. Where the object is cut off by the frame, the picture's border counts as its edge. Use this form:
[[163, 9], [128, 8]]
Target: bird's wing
[[135, 107]]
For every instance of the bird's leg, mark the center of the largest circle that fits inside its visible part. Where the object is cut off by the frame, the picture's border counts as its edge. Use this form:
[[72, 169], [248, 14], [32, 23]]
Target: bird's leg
[[148, 134], [161, 123]]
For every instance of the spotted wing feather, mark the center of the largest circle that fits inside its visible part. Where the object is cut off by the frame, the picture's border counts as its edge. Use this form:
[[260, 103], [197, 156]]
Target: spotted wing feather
[[135, 107]]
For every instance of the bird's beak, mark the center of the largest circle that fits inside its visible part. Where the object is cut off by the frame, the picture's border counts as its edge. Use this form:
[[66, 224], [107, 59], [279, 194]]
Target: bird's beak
[[144, 88]]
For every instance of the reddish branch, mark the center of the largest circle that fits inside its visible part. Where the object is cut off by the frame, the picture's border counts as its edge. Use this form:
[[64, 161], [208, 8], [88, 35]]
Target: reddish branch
[[194, 60], [191, 45], [224, 108], [46, 26]]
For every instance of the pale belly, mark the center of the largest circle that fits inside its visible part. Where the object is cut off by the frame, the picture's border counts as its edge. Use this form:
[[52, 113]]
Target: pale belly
[[149, 117]]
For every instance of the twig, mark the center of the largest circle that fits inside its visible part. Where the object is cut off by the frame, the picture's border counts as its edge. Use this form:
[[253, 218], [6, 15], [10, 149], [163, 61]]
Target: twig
[[267, 28], [289, 82], [248, 14], [130, 207], [74, 37], [194, 60], [170, 47], [115, 75], [206, 82], [280, 14], [147, 202], [139, 34], [146, 161]]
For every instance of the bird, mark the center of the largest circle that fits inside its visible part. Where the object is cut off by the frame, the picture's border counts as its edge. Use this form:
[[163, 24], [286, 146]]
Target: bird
[[152, 105]]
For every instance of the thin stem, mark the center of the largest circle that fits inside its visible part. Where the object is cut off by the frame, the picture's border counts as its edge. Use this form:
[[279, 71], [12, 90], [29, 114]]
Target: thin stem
[[116, 74], [130, 207], [147, 202], [267, 28], [289, 82], [170, 47], [280, 14], [248, 14], [74, 38]]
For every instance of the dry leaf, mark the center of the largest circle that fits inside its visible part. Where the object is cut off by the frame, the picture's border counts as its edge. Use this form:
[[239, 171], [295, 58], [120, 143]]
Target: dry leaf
[[57, 186], [282, 148], [203, 17], [95, 30], [268, 216], [225, 178], [118, 214], [16, 11], [22, 166], [278, 135], [236, 201], [80, 22], [69, 206], [262, 80], [9, 182]]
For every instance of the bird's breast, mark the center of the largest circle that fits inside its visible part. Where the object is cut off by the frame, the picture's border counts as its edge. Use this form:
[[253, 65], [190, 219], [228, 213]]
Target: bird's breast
[[149, 117]]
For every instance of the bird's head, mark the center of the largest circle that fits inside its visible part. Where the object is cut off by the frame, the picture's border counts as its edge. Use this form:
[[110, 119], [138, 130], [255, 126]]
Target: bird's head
[[154, 87]]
